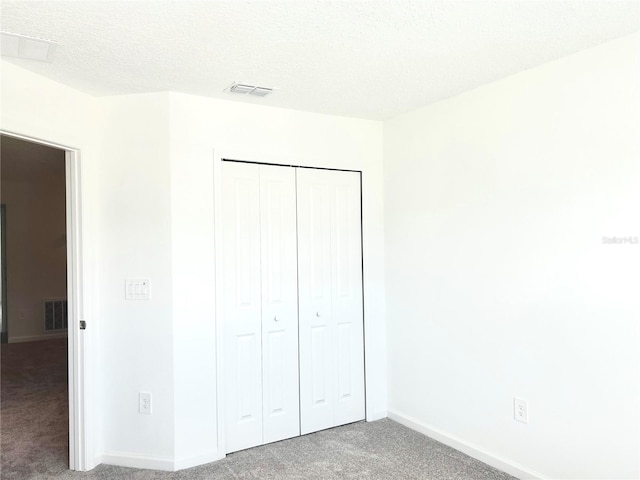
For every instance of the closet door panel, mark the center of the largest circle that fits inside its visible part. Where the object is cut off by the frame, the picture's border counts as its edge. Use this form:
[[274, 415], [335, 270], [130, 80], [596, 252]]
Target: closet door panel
[[346, 283], [242, 305], [330, 283], [281, 414], [314, 286]]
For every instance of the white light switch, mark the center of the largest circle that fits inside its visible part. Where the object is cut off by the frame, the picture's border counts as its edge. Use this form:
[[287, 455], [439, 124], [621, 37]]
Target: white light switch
[[137, 289]]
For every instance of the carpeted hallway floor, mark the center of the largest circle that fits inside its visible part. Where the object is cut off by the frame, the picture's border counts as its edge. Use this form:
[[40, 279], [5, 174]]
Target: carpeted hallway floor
[[34, 411], [34, 439]]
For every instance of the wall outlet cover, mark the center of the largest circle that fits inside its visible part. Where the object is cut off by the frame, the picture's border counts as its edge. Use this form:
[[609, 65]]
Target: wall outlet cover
[[520, 410], [144, 403]]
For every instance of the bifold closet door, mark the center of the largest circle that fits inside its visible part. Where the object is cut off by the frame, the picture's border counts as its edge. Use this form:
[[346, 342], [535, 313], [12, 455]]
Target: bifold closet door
[[259, 288], [279, 269], [330, 299]]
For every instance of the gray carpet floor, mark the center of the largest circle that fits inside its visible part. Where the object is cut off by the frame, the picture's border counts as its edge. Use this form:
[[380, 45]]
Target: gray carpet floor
[[34, 439]]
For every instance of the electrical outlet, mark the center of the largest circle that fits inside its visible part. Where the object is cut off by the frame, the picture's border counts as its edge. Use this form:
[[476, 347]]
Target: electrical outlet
[[520, 410], [144, 403]]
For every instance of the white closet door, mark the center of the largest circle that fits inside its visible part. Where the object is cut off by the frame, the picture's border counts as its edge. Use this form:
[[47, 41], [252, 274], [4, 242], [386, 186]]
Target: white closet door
[[346, 296], [242, 304], [260, 304], [330, 299], [280, 397]]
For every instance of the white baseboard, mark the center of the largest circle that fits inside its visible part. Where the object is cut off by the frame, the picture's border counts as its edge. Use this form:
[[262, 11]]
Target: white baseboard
[[158, 463], [195, 460], [36, 338], [138, 461], [171, 465], [506, 465]]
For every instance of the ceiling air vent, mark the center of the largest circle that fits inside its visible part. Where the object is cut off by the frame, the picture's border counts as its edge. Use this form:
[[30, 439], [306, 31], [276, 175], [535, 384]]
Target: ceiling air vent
[[261, 91], [21, 46], [245, 89]]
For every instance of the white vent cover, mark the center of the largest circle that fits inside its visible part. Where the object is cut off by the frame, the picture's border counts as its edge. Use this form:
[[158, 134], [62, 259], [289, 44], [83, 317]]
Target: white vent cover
[[261, 91], [21, 46], [246, 89]]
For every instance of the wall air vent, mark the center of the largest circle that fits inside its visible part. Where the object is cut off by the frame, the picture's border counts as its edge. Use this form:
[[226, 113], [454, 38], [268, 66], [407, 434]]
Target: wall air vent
[[29, 48], [55, 315], [246, 89]]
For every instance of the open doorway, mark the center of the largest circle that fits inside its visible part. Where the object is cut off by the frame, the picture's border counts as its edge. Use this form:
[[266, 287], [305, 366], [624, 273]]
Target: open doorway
[[34, 399]]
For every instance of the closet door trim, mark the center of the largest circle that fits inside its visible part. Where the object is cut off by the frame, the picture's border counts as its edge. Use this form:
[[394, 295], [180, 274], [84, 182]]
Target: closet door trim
[[296, 166]]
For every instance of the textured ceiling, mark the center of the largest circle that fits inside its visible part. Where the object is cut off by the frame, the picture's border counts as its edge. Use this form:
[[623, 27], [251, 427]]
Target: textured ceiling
[[369, 59]]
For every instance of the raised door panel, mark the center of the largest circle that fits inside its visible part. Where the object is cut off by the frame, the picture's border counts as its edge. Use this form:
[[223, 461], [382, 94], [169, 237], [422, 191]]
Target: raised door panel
[[347, 307], [281, 414], [317, 384], [241, 305]]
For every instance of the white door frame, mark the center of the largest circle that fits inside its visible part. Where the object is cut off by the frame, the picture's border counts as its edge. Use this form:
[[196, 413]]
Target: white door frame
[[76, 338]]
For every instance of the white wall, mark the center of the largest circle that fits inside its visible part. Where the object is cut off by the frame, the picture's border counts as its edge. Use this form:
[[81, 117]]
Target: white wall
[[147, 196], [35, 248], [37, 107], [204, 129], [135, 337], [498, 284]]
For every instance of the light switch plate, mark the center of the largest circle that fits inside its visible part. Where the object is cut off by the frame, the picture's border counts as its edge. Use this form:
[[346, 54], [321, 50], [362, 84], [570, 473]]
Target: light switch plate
[[139, 289]]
